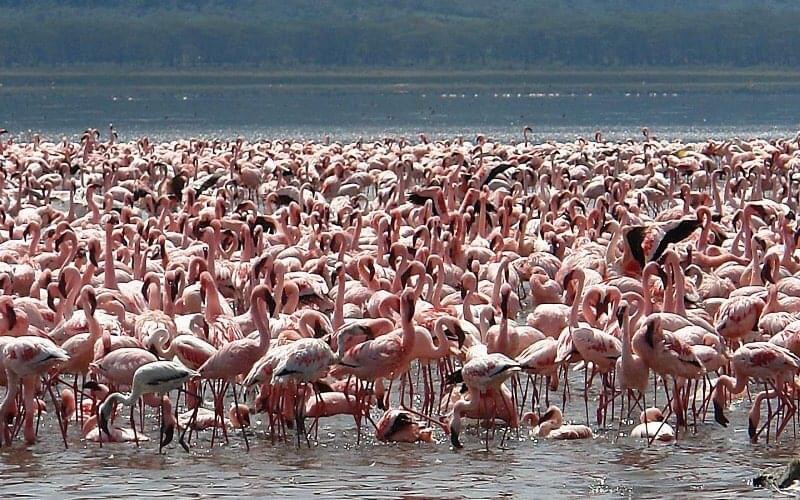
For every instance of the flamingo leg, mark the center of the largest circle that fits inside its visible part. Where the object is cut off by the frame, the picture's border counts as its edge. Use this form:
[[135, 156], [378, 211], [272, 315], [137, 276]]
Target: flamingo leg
[[239, 416], [219, 407], [160, 426], [214, 390], [133, 425], [62, 426]]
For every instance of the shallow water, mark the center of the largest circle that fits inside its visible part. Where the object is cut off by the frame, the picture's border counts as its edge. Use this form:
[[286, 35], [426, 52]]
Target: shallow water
[[714, 462]]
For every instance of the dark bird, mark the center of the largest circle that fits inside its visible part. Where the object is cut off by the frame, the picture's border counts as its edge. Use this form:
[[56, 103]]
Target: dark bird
[[207, 182], [495, 171], [644, 244]]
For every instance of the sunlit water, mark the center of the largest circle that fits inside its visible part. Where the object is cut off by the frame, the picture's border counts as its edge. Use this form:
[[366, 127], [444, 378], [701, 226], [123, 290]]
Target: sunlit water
[[715, 462], [346, 115]]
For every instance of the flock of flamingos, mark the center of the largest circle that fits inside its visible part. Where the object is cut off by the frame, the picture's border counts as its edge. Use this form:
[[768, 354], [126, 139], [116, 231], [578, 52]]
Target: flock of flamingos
[[417, 287]]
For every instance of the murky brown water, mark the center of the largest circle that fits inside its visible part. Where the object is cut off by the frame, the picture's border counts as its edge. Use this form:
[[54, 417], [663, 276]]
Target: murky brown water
[[714, 463]]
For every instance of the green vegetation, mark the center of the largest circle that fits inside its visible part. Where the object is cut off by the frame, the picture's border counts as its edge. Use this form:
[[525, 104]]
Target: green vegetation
[[422, 34]]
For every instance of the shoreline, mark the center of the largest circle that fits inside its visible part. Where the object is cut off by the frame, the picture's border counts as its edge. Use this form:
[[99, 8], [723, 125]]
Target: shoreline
[[689, 79]]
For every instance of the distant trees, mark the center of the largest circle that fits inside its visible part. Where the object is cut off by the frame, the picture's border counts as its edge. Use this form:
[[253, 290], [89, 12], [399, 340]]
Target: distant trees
[[372, 33]]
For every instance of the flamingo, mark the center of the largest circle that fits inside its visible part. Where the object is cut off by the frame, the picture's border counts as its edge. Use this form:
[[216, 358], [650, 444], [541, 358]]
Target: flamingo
[[26, 359], [551, 426], [652, 427], [158, 377], [761, 361], [483, 374], [237, 357]]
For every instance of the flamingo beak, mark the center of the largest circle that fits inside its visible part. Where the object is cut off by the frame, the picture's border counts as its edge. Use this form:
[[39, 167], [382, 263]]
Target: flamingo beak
[[719, 415], [105, 409], [91, 385], [169, 433], [454, 440]]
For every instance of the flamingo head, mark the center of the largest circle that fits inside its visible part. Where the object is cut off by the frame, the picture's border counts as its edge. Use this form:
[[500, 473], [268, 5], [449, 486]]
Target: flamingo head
[[104, 413], [407, 304], [505, 296], [9, 312], [89, 298]]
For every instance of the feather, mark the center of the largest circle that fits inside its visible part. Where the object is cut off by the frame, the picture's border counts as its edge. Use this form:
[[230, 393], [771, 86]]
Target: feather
[[679, 232], [497, 170], [634, 239]]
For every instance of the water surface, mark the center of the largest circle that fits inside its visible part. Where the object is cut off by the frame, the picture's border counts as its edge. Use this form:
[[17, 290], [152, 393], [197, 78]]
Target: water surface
[[713, 463], [169, 108]]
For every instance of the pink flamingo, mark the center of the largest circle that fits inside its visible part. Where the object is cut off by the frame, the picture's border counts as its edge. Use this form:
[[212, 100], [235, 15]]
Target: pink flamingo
[[237, 357], [25, 360], [762, 361], [484, 375], [551, 426]]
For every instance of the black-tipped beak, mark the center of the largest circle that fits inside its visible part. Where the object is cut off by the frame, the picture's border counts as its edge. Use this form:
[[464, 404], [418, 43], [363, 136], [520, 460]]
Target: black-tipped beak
[[751, 430], [169, 433], [91, 385], [719, 415], [454, 378], [104, 424], [183, 444], [454, 440]]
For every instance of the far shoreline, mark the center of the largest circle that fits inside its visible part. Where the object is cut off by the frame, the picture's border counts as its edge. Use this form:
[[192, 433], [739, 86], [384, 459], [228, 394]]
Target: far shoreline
[[555, 79]]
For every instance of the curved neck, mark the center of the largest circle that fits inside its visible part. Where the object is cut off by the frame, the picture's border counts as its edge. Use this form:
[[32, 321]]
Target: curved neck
[[212, 255], [437, 293], [467, 307], [702, 242], [647, 298], [338, 313], [573, 314], [498, 281], [261, 320], [213, 306], [679, 284], [34, 246], [67, 252], [110, 278], [443, 345], [93, 206]]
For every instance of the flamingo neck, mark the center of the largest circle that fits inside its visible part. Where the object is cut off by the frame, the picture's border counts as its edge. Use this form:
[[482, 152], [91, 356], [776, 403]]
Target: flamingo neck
[[110, 279], [338, 313], [573, 314], [93, 206], [262, 323], [212, 254], [443, 347], [213, 307]]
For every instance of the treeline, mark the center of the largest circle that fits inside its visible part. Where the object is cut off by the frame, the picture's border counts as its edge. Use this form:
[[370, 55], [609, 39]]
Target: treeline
[[384, 34]]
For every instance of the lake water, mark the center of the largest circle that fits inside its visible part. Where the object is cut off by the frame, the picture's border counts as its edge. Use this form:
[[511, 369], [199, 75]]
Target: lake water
[[182, 107], [714, 463]]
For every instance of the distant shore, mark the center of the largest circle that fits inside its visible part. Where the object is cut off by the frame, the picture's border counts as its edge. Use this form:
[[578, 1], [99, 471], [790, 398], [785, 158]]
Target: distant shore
[[689, 79]]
